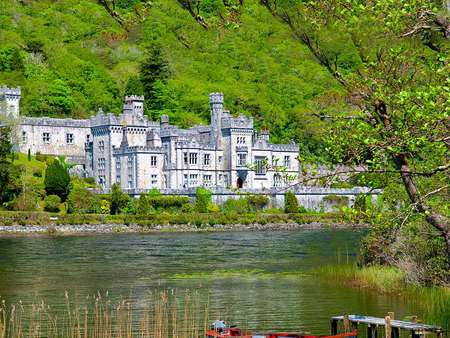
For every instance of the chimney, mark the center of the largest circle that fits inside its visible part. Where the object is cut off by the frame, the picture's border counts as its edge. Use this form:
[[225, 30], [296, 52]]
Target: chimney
[[216, 105], [124, 143]]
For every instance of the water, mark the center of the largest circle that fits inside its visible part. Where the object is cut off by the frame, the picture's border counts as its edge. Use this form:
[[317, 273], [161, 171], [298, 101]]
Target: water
[[260, 278]]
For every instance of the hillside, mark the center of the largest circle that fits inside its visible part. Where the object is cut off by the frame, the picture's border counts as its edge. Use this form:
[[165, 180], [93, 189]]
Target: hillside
[[72, 59]]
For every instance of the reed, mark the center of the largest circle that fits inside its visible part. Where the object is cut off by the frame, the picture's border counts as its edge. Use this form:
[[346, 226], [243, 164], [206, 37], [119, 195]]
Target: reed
[[167, 313]]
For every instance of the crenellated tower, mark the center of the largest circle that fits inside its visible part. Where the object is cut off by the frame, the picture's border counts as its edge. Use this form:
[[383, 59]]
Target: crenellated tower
[[216, 106]]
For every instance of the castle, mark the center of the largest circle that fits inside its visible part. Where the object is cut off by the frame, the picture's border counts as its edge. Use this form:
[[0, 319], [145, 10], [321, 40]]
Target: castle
[[140, 154]]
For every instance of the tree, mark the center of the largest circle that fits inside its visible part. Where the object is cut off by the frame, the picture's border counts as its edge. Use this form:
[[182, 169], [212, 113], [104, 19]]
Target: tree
[[397, 91], [119, 200], [5, 159], [290, 203], [134, 86], [203, 198], [57, 180], [154, 71]]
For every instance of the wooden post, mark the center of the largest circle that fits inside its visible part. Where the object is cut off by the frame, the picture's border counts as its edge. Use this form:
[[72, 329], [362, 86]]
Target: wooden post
[[371, 331], [334, 326], [395, 332], [387, 327], [346, 323]]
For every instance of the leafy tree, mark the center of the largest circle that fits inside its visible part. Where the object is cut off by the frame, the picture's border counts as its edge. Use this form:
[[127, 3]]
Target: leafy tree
[[60, 98], [10, 59], [81, 200], [396, 122], [6, 168], [143, 206], [290, 203], [57, 180], [134, 86], [119, 200], [203, 198]]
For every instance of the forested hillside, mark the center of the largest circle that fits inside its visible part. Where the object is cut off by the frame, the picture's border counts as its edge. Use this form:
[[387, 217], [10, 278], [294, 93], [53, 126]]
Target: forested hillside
[[72, 57]]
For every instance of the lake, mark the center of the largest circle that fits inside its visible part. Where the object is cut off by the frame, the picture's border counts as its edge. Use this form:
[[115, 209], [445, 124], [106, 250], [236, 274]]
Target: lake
[[261, 279]]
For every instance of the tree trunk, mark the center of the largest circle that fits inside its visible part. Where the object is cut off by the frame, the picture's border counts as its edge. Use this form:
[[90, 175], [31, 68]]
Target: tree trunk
[[437, 220]]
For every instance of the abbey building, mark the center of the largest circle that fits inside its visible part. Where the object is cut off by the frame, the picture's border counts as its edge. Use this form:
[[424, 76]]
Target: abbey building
[[140, 154]]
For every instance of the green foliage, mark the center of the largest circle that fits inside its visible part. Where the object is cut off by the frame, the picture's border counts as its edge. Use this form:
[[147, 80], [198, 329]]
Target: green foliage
[[51, 203], [290, 203], [81, 200], [236, 206], [10, 59], [57, 180], [119, 200], [26, 201], [258, 202], [168, 202], [5, 163], [203, 198], [142, 207]]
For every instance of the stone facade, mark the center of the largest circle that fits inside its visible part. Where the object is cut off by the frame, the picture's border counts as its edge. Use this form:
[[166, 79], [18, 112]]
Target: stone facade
[[140, 154]]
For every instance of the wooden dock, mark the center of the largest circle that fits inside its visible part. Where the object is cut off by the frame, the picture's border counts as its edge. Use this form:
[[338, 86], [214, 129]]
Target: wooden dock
[[391, 326]]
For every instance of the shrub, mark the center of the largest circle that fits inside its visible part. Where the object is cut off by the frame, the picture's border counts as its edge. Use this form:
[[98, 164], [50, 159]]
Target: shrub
[[258, 202], [57, 180], [89, 180], [51, 203], [203, 198], [105, 207], [166, 202], [236, 206], [82, 201], [291, 203], [188, 208], [154, 192], [26, 201], [214, 208], [37, 172], [142, 205], [119, 200]]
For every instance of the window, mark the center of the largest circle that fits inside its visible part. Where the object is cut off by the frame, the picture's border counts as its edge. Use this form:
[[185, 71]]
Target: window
[[101, 146], [153, 161], [207, 180], [46, 137], [206, 159], [118, 178], [69, 138], [101, 180], [88, 138], [193, 180], [260, 163], [277, 180], [24, 136], [241, 140], [154, 180], [185, 156], [130, 162], [220, 159], [130, 181], [287, 161], [192, 158], [274, 161], [185, 181], [242, 159], [118, 164]]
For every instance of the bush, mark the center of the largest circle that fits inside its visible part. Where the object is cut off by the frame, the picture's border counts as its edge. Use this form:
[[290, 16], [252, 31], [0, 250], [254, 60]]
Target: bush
[[258, 202], [203, 198], [236, 206], [167, 202], [154, 192], [57, 180], [142, 205], [214, 208], [51, 203], [89, 180], [291, 203], [188, 208], [82, 201], [26, 201], [119, 200]]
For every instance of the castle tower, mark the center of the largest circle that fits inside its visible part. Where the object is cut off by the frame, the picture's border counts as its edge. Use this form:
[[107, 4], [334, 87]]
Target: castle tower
[[134, 104], [216, 106], [10, 101]]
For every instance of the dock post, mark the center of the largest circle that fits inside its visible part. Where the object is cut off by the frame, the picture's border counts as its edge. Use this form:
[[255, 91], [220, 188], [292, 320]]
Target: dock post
[[371, 331], [334, 327], [395, 332]]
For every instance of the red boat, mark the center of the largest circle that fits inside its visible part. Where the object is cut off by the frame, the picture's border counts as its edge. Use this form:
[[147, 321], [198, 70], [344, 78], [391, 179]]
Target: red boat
[[220, 330]]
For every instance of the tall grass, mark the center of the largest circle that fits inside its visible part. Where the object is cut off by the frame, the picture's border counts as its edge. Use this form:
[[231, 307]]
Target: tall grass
[[167, 314]]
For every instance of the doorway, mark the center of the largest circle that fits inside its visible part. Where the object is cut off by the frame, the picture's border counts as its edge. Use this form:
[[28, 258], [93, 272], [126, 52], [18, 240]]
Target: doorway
[[239, 183]]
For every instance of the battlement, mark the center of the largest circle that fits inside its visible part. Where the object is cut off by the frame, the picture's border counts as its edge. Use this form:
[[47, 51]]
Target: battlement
[[291, 147], [133, 98], [138, 149], [6, 91], [216, 98], [240, 122], [52, 122]]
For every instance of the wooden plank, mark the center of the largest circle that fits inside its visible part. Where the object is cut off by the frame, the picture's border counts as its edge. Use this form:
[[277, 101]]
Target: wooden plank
[[371, 331], [394, 323]]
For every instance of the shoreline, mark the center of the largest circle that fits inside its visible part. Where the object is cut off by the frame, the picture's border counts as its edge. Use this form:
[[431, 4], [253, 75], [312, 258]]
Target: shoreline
[[98, 229]]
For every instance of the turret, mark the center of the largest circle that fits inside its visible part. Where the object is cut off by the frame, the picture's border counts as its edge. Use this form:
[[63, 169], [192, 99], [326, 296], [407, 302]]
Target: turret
[[134, 104], [216, 105], [10, 101]]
